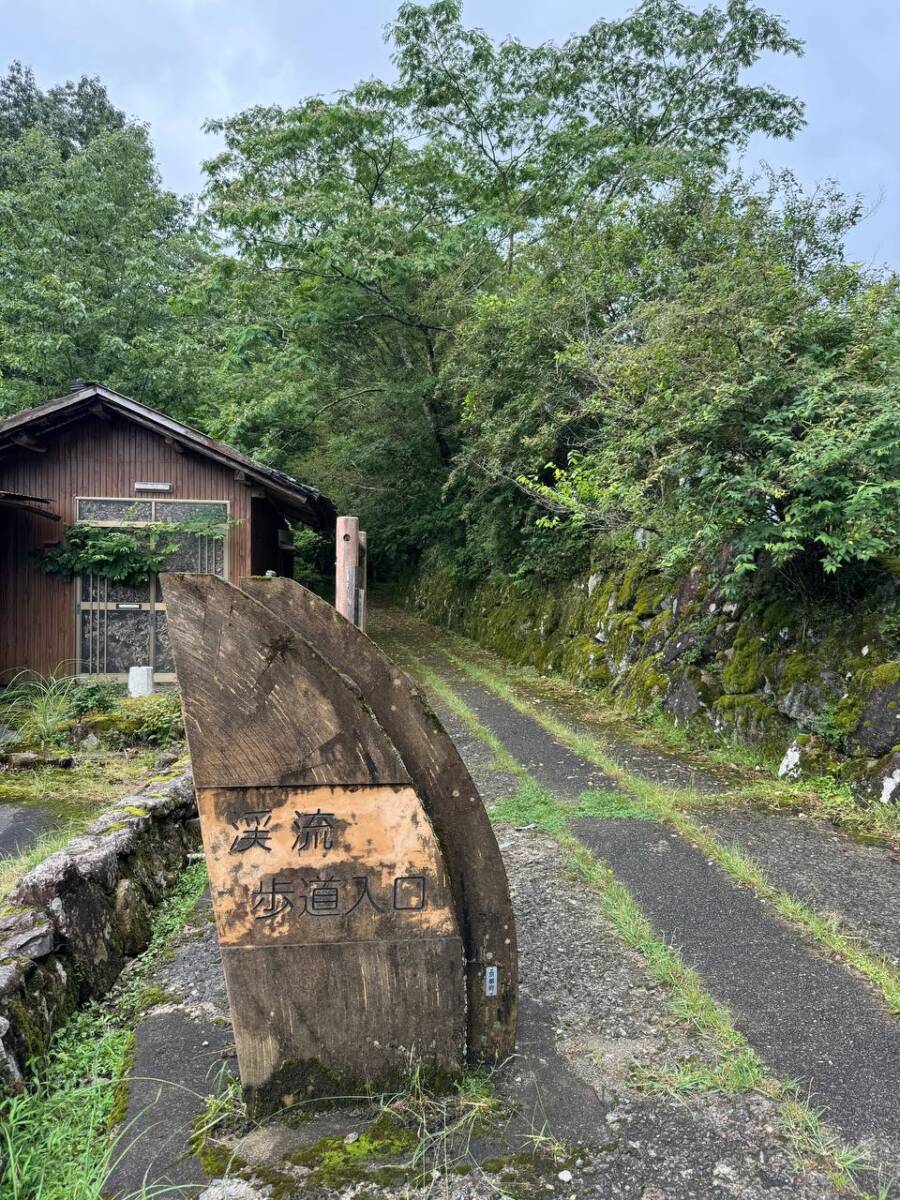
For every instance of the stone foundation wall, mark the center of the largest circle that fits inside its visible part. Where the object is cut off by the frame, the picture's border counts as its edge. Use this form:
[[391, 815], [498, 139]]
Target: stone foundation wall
[[69, 927], [815, 688]]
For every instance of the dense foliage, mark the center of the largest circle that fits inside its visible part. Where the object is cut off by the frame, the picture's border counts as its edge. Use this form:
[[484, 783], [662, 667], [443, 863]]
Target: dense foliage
[[91, 248], [710, 374], [123, 555], [512, 304]]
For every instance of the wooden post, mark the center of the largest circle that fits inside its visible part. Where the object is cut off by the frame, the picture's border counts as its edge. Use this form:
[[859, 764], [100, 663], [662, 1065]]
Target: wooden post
[[361, 581], [345, 567]]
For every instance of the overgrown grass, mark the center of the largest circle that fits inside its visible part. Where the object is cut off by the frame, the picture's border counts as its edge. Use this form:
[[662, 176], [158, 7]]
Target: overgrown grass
[[667, 804], [73, 798], [734, 1066], [444, 1125], [40, 707], [413, 1133], [532, 805], [57, 1138]]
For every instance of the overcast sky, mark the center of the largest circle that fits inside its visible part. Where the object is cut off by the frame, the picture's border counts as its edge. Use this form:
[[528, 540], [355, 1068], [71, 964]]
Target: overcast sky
[[174, 63]]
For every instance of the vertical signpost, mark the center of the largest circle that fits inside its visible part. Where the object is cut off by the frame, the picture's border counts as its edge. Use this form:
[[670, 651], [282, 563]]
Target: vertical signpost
[[359, 896], [361, 581], [346, 567], [350, 571]]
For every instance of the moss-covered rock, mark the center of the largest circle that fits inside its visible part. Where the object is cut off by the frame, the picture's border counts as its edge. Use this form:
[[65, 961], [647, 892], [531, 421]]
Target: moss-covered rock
[[876, 700], [752, 719], [789, 667], [743, 672], [336, 1162]]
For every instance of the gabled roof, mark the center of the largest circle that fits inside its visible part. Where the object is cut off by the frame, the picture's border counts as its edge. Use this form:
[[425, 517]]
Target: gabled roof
[[24, 429]]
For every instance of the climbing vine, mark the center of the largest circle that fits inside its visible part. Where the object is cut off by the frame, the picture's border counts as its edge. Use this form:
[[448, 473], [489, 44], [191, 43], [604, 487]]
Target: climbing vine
[[123, 555]]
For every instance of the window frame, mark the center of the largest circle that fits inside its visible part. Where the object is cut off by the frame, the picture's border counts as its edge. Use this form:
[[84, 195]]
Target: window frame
[[152, 605]]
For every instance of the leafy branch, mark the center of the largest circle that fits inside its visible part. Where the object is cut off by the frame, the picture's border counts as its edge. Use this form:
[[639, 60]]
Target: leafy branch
[[123, 555]]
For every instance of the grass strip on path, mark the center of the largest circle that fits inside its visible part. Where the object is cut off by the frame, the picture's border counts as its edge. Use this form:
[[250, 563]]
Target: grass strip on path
[[736, 1066], [750, 777], [57, 1138], [663, 802]]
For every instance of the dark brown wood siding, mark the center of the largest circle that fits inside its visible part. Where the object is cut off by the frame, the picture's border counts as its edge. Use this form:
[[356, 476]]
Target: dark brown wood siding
[[91, 458]]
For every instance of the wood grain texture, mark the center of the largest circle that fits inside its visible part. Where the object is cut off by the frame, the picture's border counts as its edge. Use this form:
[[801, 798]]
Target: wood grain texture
[[353, 1005], [346, 562], [369, 869], [451, 800], [331, 986], [262, 707]]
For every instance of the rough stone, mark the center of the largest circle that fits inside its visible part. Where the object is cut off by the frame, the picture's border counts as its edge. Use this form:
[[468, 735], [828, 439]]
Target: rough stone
[[83, 911], [234, 1189], [682, 699], [879, 725], [677, 646], [28, 932], [804, 702], [23, 760], [889, 779]]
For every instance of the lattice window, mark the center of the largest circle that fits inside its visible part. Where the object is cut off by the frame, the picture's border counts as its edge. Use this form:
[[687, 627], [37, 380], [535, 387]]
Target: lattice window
[[121, 625]]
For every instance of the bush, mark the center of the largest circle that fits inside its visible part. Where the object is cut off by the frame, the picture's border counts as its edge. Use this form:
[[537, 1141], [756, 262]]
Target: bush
[[154, 720], [96, 696]]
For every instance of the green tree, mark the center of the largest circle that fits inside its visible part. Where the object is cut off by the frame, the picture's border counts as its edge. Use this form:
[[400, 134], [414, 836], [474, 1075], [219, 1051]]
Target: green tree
[[91, 247], [71, 113], [368, 226], [707, 372]]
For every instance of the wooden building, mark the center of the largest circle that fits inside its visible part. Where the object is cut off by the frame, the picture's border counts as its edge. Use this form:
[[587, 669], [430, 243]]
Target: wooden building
[[96, 456]]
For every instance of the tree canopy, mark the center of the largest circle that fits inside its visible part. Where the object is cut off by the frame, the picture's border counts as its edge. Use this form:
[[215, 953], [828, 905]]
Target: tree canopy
[[91, 247], [514, 303]]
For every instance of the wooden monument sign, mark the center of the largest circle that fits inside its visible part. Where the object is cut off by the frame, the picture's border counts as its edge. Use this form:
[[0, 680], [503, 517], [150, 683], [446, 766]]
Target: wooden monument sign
[[360, 899]]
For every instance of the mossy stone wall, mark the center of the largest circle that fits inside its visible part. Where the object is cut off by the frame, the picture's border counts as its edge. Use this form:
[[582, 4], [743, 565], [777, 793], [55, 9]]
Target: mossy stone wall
[[765, 671], [69, 927]]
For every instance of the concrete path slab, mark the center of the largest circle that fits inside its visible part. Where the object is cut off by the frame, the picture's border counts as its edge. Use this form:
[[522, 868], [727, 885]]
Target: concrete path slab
[[176, 1063], [830, 871], [20, 827], [552, 765], [183, 1049], [808, 1017]]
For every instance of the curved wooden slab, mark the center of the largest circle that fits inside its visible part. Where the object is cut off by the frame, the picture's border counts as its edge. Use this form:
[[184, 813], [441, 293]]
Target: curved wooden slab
[[261, 706], [450, 798], [334, 907]]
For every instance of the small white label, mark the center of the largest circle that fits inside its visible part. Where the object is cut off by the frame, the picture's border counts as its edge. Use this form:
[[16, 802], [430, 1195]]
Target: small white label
[[140, 681], [490, 980]]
